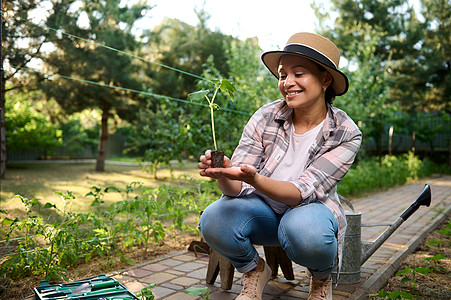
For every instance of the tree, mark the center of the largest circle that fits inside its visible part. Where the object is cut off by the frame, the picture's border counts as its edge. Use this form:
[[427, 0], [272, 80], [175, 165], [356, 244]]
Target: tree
[[21, 42], [98, 23], [414, 49], [185, 48]]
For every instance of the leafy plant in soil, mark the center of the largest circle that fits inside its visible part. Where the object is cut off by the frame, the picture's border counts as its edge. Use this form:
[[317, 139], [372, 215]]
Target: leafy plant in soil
[[217, 157]]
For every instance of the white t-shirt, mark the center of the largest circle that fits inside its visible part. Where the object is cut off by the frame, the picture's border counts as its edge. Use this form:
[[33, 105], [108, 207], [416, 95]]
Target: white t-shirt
[[293, 164]]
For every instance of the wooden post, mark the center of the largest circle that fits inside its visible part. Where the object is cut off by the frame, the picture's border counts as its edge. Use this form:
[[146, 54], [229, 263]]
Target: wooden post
[[390, 139]]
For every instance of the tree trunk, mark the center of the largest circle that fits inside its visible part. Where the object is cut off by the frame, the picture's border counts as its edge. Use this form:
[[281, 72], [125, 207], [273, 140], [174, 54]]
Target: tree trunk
[[2, 127], [449, 153], [101, 155]]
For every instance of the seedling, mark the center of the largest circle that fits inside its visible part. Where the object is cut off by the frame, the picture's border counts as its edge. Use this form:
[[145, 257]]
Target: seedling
[[413, 272], [146, 293], [394, 295], [227, 87]]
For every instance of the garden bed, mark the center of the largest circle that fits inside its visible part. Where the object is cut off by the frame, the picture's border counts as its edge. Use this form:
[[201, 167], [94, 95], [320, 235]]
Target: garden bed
[[423, 277]]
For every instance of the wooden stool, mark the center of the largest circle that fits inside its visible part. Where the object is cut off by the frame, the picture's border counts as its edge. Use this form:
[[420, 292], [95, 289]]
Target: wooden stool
[[275, 257], [218, 264]]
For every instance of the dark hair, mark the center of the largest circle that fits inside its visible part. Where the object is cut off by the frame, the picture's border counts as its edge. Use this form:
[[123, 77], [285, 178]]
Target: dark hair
[[330, 93]]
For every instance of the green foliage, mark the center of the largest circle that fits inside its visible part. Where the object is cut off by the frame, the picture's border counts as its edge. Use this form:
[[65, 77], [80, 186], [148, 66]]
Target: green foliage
[[435, 259], [220, 84], [410, 275], [394, 295], [410, 47], [370, 175], [173, 131], [105, 23], [146, 293], [27, 128], [49, 246], [447, 230], [203, 292], [80, 131], [46, 248]]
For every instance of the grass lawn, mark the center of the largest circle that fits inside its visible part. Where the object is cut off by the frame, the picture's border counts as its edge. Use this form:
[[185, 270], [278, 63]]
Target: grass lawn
[[41, 180]]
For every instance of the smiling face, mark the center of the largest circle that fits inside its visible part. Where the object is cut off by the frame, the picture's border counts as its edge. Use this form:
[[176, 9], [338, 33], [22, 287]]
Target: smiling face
[[301, 82]]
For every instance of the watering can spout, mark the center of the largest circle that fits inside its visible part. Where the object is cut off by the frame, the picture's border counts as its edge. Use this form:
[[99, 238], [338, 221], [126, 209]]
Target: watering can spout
[[423, 199]]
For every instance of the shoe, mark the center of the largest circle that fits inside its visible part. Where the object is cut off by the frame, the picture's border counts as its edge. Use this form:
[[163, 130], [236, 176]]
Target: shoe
[[320, 290], [254, 283]]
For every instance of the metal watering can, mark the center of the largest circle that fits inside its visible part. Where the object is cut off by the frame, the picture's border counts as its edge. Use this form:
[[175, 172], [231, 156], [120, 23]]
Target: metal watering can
[[356, 252]]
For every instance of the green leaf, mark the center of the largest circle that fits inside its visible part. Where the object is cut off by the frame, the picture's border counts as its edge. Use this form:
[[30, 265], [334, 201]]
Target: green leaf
[[444, 231], [215, 106], [435, 258], [227, 87], [115, 189], [434, 243], [8, 221], [382, 293], [425, 270], [49, 205], [196, 291], [199, 95], [406, 270]]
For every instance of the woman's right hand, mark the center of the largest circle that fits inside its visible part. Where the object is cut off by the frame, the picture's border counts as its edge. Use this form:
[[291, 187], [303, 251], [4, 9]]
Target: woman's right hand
[[205, 161], [228, 187]]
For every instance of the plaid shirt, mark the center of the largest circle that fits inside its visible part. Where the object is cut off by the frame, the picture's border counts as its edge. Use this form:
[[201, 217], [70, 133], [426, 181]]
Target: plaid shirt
[[265, 141]]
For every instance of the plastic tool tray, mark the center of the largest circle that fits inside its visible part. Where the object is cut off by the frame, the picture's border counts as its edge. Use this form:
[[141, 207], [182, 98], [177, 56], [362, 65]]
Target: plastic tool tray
[[93, 288]]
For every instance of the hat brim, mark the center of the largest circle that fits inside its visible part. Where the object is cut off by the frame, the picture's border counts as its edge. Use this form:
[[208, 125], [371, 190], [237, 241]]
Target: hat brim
[[340, 83]]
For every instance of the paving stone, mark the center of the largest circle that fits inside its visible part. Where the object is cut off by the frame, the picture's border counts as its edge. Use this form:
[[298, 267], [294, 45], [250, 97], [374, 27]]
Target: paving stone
[[158, 278], [187, 267], [172, 286], [199, 274], [155, 267], [122, 278], [276, 288], [161, 292], [297, 294], [182, 296], [137, 273], [185, 257], [178, 273], [171, 262], [223, 295], [185, 281], [134, 286]]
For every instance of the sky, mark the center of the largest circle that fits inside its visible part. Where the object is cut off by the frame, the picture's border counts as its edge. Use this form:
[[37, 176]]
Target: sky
[[272, 21]]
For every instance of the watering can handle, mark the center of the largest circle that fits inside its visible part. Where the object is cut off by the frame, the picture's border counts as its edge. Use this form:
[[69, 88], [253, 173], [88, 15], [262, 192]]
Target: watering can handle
[[423, 199]]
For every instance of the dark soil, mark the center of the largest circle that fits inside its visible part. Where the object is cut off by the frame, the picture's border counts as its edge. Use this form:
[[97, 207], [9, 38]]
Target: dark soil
[[435, 285]]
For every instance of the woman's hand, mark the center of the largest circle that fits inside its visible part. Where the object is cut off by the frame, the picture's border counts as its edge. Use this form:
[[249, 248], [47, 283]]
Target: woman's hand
[[205, 161], [229, 178], [244, 173]]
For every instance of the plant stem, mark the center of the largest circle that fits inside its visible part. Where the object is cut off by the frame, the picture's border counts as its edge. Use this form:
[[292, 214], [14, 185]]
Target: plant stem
[[212, 118], [213, 127]]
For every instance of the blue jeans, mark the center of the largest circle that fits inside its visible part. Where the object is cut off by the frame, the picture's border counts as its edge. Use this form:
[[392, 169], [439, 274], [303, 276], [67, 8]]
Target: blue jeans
[[232, 226]]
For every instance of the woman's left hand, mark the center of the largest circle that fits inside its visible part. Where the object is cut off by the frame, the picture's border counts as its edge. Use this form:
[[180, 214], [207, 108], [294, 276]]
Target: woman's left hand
[[244, 173]]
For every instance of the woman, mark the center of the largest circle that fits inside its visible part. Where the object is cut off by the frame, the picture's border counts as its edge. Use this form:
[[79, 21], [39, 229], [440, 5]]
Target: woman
[[279, 188]]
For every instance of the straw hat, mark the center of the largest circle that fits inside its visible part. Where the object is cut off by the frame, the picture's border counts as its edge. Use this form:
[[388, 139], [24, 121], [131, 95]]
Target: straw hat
[[316, 48]]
